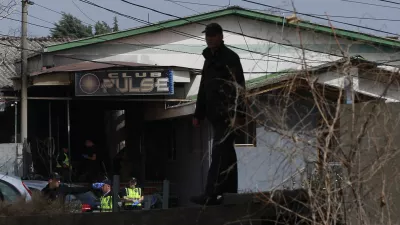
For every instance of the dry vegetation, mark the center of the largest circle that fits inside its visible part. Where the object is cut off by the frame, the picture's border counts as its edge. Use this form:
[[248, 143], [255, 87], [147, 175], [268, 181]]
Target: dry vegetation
[[7, 7], [38, 206], [343, 154], [349, 151]]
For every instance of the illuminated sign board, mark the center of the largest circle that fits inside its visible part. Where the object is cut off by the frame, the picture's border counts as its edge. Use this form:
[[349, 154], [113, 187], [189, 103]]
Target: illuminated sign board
[[117, 83]]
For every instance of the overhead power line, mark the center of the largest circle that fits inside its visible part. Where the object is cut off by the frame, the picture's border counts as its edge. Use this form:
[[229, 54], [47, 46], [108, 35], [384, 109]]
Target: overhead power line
[[168, 14], [183, 6], [38, 18], [44, 7], [181, 33], [82, 11], [195, 37], [187, 34], [116, 64], [332, 16], [349, 24], [396, 3], [371, 4], [278, 57], [194, 3], [33, 24], [55, 11], [87, 60], [317, 17]]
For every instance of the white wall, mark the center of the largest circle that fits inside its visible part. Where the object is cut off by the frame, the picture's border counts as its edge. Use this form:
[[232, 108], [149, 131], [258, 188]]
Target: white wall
[[285, 142], [271, 163], [11, 159]]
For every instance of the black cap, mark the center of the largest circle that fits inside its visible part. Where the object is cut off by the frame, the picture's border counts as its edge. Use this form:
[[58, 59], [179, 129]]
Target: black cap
[[133, 180], [54, 176], [213, 28], [107, 182]]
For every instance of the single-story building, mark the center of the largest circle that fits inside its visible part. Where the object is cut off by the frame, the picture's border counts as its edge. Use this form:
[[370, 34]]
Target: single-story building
[[160, 142]]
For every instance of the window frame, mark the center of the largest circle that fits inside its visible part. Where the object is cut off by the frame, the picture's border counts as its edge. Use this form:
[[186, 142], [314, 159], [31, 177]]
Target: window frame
[[250, 135]]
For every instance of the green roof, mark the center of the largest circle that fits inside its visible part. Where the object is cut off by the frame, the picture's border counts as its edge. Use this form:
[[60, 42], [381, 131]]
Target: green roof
[[272, 78], [260, 81], [237, 11]]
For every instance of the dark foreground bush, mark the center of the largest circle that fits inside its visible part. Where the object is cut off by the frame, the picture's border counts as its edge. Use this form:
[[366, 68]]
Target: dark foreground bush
[[38, 205]]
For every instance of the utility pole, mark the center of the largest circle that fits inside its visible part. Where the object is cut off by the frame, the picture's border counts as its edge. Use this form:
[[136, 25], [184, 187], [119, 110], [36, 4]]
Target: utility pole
[[24, 71], [24, 82]]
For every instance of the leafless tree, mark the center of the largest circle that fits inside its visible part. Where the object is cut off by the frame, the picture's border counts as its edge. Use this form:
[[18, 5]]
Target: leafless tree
[[7, 7]]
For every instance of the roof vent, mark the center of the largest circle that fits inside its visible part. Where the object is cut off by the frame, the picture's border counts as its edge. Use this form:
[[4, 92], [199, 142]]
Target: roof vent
[[393, 37], [234, 7], [292, 19]]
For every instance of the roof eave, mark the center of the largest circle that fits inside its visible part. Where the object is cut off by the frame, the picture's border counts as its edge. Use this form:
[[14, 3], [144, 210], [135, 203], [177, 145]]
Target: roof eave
[[140, 30], [321, 28]]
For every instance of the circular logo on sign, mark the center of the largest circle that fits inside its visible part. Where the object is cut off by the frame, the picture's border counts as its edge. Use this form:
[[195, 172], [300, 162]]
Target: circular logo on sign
[[89, 83]]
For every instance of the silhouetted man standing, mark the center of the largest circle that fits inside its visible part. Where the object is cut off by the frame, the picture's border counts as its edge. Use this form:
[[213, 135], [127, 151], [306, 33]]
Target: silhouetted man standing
[[221, 100]]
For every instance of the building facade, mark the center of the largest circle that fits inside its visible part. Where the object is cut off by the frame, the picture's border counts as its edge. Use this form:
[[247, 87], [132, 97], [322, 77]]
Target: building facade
[[163, 144]]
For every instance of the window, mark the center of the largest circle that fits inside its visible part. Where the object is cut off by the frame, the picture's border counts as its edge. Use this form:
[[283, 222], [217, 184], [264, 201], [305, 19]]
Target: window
[[247, 134], [9, 192]]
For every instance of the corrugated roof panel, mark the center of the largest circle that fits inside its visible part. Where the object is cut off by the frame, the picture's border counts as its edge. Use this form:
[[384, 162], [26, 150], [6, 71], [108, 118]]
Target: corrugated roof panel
[[10, 52]]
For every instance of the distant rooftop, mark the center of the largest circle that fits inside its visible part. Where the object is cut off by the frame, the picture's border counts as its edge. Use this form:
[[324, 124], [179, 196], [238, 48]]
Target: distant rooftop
[[10, 53]]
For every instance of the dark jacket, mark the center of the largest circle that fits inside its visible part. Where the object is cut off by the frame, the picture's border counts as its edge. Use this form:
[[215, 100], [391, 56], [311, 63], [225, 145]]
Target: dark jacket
[[222, 86], [1, 196], [60, 192]]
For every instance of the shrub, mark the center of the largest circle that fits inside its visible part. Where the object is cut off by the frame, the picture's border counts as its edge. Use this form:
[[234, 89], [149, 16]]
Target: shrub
[[38, 205]]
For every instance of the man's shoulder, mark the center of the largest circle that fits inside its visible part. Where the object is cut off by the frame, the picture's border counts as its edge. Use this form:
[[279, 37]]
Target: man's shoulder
[[230, 53], [46, 189]]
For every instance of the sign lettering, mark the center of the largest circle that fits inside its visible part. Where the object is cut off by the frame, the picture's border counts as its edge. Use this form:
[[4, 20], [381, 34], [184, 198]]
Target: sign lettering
[[124, 83]]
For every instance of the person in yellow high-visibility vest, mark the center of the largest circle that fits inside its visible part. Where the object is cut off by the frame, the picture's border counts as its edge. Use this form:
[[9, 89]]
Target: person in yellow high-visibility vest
[[63, 165], [106, 199], [132, 196]]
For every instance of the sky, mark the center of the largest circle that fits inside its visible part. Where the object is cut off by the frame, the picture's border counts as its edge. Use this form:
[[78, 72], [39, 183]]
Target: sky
[[378, 17]]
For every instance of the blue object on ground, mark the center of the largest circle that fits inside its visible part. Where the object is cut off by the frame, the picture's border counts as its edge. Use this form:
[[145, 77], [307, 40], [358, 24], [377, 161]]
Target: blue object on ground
[[135, 203]]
